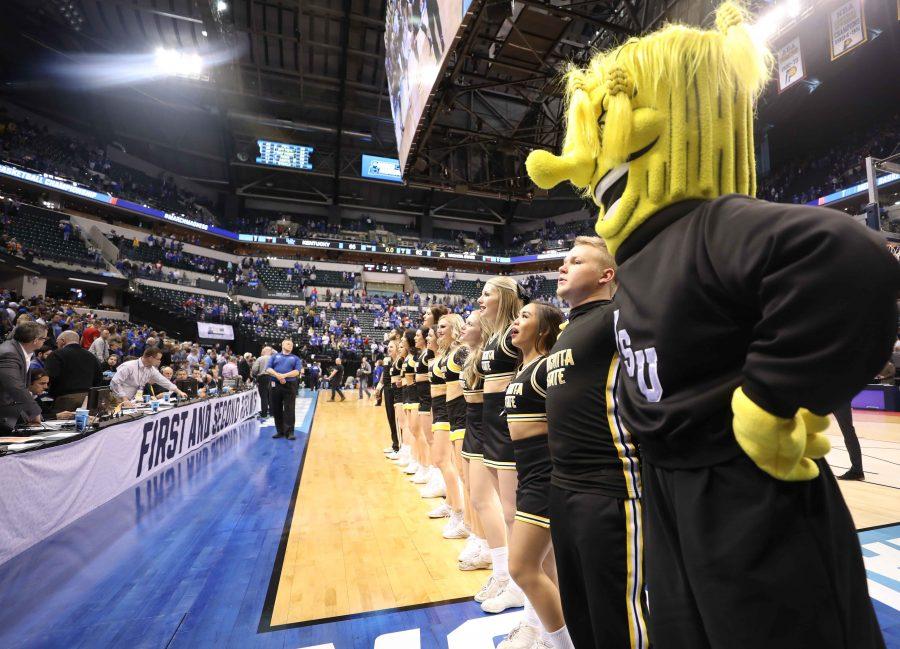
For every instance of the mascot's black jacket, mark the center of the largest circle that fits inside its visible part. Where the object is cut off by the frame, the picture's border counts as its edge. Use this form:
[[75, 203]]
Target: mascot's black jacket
[[767, 305]]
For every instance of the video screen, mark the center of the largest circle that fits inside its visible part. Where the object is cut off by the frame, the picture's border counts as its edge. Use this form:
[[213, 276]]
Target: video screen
[[382, 168], [281, 154], [417, 38]]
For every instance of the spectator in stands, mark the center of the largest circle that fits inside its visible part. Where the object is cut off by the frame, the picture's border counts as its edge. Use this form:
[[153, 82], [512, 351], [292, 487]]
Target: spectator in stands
[[155, 389], [230, 369], [73, 372], [244, 365], [263, 381], [100, 347], [16, 402], [90, 334], [133, 375], [109, 368]]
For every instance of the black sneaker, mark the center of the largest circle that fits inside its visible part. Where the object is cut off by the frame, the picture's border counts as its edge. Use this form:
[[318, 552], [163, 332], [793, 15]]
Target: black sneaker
[[852, 475], [277, 435], [291, 438]]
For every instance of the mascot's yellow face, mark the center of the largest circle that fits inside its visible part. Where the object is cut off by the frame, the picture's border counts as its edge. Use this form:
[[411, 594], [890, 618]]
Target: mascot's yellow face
[[661, 119]]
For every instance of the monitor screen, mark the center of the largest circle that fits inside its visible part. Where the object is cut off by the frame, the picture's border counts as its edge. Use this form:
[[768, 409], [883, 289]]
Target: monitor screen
[[99, 401], [379, 168], [215, 331], [188, 386], [282, 154]]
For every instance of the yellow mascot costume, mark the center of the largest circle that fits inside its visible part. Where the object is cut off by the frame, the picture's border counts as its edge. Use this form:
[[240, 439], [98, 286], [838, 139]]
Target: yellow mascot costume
[[740, 325]]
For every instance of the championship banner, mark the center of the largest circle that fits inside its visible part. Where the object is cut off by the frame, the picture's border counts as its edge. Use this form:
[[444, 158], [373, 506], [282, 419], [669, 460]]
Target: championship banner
[[44, 490], [847, 25], [790, 64]]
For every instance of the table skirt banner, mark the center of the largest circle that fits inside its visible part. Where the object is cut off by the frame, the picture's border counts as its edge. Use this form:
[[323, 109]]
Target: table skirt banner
[[44, 490]]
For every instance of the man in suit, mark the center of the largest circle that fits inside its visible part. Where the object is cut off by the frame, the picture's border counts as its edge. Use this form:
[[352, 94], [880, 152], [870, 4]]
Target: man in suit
[[16, 402], [73, 371], [263, 380]]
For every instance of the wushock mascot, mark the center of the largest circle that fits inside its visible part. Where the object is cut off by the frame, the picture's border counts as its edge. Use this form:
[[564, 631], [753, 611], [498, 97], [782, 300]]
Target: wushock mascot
[[740, 325]]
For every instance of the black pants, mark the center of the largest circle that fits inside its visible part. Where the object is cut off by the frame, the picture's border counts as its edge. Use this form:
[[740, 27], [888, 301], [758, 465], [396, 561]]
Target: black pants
[[737, 559], [284, 397], [844, 416], [264, 387], [337, 389], [599, 559], [387, 394]]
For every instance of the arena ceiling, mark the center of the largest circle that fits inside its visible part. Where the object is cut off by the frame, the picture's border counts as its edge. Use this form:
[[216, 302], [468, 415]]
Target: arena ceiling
[[312, 72]]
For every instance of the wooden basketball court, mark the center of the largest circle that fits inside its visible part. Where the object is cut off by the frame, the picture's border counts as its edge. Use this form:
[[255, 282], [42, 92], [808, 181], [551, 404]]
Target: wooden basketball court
[[360, 539]]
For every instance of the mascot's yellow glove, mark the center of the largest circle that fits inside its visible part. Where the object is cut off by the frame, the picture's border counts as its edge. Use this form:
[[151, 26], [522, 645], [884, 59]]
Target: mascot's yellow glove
[[783, 448]]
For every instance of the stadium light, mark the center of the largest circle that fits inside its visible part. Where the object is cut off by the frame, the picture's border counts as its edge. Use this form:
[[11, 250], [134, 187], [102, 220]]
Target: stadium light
[[769, 23], [175, 63]]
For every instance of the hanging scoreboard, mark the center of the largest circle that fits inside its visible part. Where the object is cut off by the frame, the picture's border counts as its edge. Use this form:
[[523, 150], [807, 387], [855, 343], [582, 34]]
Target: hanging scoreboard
[[281, 154]]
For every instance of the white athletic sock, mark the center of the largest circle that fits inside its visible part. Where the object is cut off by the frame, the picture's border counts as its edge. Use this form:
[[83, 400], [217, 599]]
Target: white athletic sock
[[500, 559], [531, 617], [560, 638]]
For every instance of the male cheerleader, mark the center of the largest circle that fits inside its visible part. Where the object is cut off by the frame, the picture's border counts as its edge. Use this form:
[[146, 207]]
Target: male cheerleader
[[595, 488]]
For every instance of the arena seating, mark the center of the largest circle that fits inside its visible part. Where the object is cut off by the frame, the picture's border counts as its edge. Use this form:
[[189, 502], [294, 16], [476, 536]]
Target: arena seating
[[153, 254], [435, 285], [39, 232]]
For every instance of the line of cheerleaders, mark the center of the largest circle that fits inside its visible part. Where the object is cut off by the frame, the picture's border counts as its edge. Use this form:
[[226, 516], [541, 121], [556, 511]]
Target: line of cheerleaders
[[467, 406]]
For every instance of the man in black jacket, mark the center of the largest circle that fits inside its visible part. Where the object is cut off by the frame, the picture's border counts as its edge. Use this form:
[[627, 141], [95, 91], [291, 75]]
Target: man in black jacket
[[73, 371], [16, 402]]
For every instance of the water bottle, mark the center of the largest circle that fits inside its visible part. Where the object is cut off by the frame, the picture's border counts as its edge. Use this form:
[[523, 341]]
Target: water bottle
[[81, 419]]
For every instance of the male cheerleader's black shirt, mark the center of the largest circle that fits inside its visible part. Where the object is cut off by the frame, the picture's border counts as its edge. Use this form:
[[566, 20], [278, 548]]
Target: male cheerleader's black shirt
[[499, 358], [794, 303], [423, 361], [527, 392], [590, 450]]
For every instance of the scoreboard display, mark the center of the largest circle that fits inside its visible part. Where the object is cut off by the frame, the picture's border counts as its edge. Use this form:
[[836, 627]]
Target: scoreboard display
[[380, 168], [281, 154]]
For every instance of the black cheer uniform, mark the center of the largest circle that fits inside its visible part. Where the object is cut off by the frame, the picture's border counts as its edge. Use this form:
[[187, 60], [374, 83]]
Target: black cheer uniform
[[387, 393], [396, 388], [795, 304], [498, 363], [525, 402], [436, 376], [595, 487], [423, 389], [410, 395], [456, 408], [473, 393]]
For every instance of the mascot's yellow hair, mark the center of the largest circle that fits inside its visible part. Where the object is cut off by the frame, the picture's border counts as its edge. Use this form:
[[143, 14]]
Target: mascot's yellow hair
[[676, 105]]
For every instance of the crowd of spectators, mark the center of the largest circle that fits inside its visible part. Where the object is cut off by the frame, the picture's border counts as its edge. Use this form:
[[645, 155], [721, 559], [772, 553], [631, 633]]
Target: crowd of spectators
[[37, 148], [824, 171]]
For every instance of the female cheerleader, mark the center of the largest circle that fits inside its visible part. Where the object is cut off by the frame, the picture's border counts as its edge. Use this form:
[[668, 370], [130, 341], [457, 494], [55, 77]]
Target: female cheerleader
[[477, 553], [421, 417], [411, 401], [405, 455], [531, 561], [500, 303], [439, 420], [448, 330]]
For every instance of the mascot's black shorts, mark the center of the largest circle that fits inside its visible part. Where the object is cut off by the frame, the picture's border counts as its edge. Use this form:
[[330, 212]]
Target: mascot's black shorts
[[738, 559]]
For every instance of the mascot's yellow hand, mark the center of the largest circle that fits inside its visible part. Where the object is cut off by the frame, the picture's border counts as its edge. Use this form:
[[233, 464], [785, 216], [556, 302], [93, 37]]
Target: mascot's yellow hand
[[783, 448]]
